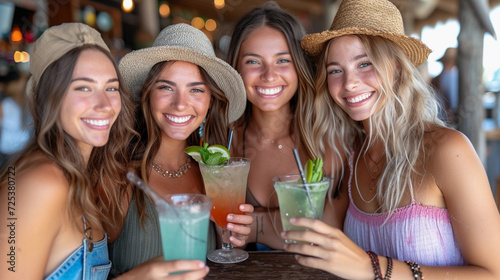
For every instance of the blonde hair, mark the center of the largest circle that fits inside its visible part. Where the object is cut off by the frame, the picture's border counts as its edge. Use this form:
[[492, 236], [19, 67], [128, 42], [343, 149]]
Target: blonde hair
[[409, 109]]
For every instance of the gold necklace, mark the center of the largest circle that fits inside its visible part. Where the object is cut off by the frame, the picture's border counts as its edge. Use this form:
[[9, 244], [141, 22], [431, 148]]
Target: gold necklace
[[172, 174], [356, 177], [262, 138]]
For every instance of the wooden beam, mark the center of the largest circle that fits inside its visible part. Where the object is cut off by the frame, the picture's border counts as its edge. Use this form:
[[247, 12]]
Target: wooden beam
[[470, 69]]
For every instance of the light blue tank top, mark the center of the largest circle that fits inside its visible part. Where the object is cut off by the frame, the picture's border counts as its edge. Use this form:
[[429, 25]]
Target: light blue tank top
[[85, 263]]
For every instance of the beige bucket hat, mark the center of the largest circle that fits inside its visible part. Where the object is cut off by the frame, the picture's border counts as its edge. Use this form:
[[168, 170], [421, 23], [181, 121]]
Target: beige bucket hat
[[368, 17], [185, 43], [56, 42]]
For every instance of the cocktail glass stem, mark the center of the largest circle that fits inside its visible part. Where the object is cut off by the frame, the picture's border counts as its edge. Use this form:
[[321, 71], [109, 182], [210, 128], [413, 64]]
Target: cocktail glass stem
[[227, 246]]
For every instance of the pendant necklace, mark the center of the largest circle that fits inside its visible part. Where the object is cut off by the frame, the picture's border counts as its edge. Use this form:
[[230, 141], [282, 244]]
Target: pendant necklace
[[280, 146]]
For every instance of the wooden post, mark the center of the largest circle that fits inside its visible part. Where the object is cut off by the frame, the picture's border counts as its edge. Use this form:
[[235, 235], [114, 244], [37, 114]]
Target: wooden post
[[471, 89]]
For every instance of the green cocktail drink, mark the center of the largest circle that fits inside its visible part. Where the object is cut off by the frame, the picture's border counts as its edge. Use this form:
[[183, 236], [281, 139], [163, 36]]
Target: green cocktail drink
[[294, 202], [184, 220]]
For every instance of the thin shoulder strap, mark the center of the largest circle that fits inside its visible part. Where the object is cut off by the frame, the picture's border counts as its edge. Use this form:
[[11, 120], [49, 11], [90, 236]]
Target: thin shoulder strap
[[88, 234]]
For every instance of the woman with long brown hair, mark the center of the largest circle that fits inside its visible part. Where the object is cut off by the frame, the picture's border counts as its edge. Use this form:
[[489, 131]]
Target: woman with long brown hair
[[63, 190]]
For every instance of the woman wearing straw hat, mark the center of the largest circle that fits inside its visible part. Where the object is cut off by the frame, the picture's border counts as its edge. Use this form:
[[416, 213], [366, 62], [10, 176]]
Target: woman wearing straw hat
[[265, 49], [180, 84], [54, 224], [419, 200]]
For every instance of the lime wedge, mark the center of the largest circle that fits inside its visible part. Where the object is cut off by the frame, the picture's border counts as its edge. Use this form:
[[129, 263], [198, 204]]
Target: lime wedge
[[194, 152], [209, 155], [221, 149]]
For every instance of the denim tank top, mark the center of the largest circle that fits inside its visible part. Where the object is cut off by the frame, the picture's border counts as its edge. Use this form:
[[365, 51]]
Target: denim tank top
[[88, 262]]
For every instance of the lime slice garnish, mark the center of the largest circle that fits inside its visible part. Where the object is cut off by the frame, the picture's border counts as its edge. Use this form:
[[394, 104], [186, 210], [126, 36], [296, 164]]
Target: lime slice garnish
[[209, 155], [194, 152], [221, 149]]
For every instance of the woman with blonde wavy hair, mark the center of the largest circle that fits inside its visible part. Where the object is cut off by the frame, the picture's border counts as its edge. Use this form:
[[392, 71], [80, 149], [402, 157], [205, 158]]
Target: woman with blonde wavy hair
[[63, 190], [419, 199]]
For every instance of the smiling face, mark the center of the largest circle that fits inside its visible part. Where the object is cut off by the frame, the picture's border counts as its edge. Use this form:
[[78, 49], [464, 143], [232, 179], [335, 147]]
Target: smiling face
[[266, 66], [180, 99], [92, 101], [352, 80]]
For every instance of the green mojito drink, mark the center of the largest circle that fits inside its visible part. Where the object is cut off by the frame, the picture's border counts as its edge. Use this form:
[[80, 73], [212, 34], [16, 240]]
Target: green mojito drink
[[184, 220], [294, 202]]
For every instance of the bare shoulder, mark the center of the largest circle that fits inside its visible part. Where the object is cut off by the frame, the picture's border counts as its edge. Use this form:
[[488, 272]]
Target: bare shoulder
[[42, 184], [446, 142], [452, 160]]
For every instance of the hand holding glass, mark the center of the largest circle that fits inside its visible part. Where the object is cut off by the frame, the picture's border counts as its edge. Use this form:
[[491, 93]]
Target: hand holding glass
[[294, 201]]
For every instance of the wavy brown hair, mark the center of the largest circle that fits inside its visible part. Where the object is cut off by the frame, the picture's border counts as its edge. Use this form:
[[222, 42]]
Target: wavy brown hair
[[301, 104], [215, 129], [96, 189]]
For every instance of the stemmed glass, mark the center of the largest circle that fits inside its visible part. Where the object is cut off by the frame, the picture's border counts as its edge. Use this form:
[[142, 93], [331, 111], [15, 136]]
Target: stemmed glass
[[226, 184]]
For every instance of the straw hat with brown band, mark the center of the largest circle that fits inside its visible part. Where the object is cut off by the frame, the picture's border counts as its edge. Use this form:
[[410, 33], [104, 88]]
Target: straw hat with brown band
[[368, 17]]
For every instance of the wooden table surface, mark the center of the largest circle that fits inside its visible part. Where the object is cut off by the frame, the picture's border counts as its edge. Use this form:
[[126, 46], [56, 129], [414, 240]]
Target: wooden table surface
[[266, 265]]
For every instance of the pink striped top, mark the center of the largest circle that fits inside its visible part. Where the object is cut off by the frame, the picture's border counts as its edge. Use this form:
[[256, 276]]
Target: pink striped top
[[414, 232]]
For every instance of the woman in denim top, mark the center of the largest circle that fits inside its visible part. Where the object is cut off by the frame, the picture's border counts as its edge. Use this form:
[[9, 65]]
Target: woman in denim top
[[63, 188]]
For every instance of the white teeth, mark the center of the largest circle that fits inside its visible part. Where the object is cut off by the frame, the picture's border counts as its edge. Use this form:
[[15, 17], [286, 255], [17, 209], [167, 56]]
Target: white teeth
[[97, 122], [269, 91], [359, 98], [178, 119]]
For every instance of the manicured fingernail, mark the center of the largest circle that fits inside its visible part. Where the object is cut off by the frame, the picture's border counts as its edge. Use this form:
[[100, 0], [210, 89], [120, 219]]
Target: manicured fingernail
[[230, 217], [242, 207], [230, 226], [283, 234], [293, 220]]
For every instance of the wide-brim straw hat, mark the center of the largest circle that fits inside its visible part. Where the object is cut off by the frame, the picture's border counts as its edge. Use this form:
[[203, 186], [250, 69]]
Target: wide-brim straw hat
[[368, 17], [184, 42]]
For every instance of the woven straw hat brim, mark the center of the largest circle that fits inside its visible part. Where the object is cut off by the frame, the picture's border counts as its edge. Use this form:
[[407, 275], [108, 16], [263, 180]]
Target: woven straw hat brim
[[414, 49], [136, 65]]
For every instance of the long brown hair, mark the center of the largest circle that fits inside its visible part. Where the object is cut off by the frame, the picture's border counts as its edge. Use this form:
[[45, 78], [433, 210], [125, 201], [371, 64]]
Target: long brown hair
[[215, 129], [301, 104], [97, 188]]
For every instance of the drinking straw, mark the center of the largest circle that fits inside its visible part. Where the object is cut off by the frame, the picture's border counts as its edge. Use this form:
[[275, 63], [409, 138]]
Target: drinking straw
[[155, 196], [230, 139], [143, 186], [302, 175]]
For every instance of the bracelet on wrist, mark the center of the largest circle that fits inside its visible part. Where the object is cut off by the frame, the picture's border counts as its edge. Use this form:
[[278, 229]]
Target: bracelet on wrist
[[376, 267], [415, 270]]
